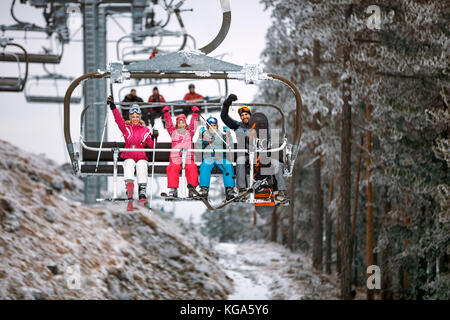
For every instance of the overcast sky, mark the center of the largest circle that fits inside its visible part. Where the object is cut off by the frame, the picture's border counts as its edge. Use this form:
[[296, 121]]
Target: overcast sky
[[38, 127]]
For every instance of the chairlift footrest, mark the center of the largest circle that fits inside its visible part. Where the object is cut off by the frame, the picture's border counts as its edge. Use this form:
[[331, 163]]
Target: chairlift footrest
[[169, 198], [112, 199]]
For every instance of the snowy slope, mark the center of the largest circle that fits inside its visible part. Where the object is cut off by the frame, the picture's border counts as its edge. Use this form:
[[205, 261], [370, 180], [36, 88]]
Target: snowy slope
[[270, 271], [46, 232]]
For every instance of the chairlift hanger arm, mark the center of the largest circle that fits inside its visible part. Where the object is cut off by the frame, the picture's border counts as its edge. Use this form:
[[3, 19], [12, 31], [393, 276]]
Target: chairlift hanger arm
[[37, 57], [299, 106], [183, 29], [26, 60], [67, 97], [226, 23]]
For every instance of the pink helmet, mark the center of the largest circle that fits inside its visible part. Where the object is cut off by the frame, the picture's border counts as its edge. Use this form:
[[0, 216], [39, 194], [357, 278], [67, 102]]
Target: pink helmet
[[181, 116]]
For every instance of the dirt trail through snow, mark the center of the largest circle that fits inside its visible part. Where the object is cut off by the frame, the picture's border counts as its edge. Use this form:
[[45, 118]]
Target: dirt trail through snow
[[263, 271]]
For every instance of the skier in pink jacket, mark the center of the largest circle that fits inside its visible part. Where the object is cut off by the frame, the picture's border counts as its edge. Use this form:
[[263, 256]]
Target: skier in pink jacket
[[181, 135], [136, 135]]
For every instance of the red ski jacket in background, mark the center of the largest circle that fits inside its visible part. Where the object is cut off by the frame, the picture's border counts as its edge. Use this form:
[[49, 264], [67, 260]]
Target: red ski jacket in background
[[157, 98], [192, 96]]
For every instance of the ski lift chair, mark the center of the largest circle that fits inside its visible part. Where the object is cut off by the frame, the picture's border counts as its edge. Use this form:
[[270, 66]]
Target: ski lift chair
[[13, 84], [86, 155], [126, 53], [46, 57], [47, 80], [154, 31], [179, 65]]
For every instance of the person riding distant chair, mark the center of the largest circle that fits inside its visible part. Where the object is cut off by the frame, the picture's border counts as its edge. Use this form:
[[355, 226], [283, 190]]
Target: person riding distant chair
[[152, 113], [212, 138], [192, 96], [131, 97], [136, 135]]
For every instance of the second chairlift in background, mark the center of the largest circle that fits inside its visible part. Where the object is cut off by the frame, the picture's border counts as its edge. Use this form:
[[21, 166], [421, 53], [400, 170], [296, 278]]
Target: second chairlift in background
[[34, 91], [14, 84]]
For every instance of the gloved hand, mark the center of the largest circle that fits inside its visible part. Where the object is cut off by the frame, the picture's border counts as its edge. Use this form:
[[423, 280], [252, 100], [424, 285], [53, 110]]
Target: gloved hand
[[207, 98], [155, 134], [230, 99], [166, 109], [195, 109], [110, 102]]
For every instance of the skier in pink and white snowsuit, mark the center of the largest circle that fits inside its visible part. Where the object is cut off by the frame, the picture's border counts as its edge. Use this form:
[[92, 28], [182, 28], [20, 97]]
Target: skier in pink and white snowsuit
[[181, 135], [136, 135]]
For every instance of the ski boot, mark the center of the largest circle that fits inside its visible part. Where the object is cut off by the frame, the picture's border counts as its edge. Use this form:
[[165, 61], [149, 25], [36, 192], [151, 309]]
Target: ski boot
[[280, 197], [229, 193], [143, 193], [204, 192], [242, 190], [130, 189], [173, 193], [191, 194]]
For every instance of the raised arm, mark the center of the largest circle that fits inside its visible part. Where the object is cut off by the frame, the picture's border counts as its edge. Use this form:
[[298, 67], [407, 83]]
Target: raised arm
[[152, 139], [117, 117], [169, 124], [148, 139], [233, 124], [194, 120]]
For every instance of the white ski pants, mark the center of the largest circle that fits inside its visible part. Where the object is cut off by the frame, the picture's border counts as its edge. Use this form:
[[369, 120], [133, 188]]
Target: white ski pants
[[141, 170]]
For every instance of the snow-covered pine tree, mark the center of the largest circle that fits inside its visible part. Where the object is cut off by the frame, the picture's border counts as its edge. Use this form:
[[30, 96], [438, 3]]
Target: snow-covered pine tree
[[402, 70]]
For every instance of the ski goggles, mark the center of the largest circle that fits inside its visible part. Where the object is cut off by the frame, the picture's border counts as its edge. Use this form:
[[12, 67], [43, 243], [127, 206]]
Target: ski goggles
[[181, 117], [135, 110], [212, 120], [244, 109]]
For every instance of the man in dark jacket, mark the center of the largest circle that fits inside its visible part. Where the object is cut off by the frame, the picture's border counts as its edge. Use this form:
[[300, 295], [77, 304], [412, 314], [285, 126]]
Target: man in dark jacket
[[131, 97], [242, 130], [152, 113]]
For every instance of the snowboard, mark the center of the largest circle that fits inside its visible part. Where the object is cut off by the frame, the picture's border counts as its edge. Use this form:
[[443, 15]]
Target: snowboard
[[259, 122]]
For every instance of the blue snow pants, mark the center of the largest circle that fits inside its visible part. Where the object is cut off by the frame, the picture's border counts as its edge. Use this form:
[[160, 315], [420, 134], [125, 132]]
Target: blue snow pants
[[224, 165]]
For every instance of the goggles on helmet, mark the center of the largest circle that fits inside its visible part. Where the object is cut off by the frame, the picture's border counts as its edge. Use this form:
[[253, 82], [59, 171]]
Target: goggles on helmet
[[212, 120], [135, 109], [243, 109]]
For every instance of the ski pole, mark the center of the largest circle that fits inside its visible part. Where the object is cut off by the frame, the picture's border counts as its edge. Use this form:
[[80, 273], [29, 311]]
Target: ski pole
[[215, 131], [153, 171], [103, 135]]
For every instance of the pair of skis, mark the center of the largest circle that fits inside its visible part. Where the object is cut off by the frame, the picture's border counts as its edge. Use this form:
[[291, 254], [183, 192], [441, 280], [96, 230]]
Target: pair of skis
[[236, 198], [198, 196]]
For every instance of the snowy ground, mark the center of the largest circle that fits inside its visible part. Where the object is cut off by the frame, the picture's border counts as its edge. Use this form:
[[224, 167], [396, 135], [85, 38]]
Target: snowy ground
[[52, 246], [46, 233], [263, 271]]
